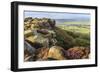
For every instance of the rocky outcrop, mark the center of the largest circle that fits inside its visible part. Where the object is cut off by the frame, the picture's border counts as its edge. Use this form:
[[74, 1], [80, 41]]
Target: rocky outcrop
[[38, 30], [38, 35], [38, 23]]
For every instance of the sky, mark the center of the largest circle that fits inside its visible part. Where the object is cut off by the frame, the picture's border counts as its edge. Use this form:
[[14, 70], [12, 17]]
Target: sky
[[56, 15]]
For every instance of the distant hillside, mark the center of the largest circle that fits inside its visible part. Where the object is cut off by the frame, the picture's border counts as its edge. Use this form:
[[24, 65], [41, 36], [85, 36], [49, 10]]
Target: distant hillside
[[72, 21]]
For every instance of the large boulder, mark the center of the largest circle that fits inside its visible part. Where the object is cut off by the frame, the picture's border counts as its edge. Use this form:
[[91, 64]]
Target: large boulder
[[42, 54], [56, 52], [29, 51], [78, 53]]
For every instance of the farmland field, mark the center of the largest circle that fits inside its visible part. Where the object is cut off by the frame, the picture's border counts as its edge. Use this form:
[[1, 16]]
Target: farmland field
[[85, 29]]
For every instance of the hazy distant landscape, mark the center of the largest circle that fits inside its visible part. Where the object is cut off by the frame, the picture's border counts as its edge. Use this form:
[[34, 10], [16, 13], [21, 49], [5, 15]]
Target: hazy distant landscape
[[82, 26], [73, 21]]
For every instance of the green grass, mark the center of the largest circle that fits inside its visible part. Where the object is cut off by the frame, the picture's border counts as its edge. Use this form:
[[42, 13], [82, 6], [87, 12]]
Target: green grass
[[70, 36]]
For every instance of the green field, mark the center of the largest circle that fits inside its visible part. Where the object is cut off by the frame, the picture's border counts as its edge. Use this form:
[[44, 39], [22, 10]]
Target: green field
[[77, 22], [76, 29]]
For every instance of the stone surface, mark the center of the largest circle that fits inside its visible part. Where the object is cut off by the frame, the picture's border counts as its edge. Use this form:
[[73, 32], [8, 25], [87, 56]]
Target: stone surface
[[78, 53], [56, 52], [42, 53]]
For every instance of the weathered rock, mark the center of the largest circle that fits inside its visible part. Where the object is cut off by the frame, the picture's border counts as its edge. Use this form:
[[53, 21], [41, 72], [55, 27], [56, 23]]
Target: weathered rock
[[28, 33], [29, 51], [43, 31], [33, 42], [56, 52], [31, 39], [29, 47], [77, 53], [42, 53], [26, 53]]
